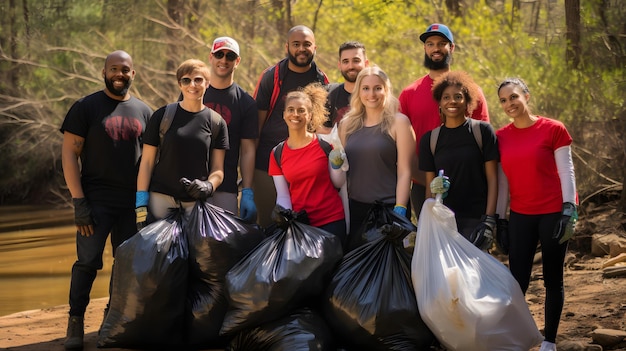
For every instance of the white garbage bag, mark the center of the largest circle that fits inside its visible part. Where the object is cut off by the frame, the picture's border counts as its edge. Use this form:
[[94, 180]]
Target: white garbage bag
[[468, 299]]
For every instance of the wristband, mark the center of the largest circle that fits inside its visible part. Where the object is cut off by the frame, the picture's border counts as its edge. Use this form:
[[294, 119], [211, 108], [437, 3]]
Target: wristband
[[141, 198]]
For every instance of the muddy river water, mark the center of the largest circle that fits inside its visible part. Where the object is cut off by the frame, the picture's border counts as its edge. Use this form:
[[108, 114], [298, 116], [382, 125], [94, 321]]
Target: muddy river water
[[37, 250]]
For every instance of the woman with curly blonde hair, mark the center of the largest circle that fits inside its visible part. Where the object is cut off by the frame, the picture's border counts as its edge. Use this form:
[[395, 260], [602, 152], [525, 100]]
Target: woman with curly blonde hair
[[301, 170], [379, 144]]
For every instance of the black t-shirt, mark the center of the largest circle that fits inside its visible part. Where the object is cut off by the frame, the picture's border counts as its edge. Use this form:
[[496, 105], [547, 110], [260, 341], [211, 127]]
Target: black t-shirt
[[275, 129], [338, 104], [185, 151], [458, 154], [110, 158], [239, 111]]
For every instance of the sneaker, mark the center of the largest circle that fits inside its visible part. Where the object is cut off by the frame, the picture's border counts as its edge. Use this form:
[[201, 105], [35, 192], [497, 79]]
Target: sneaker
[[75, 333], [547, 346]]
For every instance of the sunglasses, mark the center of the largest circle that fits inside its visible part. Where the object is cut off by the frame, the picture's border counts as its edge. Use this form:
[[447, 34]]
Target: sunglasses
[[230, 56], [186, 81]]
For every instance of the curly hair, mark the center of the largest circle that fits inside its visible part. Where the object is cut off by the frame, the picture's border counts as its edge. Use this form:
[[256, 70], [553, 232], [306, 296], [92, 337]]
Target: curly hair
[[459, 79], [317, 94]]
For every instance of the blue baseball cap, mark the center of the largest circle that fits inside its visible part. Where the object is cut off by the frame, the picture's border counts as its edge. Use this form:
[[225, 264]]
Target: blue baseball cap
[[437, 29]]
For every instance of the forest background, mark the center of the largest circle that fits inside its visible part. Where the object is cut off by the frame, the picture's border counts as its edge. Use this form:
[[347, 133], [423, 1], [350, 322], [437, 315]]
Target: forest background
[[571, 53]]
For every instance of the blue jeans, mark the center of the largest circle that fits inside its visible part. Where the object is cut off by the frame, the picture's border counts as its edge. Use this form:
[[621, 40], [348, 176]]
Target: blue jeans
[[121, 223]]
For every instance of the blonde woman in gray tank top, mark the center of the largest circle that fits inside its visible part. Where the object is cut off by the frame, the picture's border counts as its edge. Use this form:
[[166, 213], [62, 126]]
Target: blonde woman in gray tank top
[[380, 146]]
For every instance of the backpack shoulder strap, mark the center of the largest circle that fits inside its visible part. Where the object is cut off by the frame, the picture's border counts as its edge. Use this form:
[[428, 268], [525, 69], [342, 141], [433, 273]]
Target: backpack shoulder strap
[[215, 125], [434, 135], [166, 121], [278, 152], [277, 83], [325, 146], [478, 135], [475, 129]]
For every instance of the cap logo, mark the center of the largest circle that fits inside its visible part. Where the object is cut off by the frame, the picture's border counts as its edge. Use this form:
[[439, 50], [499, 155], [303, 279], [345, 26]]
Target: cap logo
[[434, 27]]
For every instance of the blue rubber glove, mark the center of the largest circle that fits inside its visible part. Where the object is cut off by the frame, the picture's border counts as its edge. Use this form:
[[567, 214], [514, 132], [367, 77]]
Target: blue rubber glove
[[399, 209], [247, 207], [564, 228], [440, 185], [141, 208]]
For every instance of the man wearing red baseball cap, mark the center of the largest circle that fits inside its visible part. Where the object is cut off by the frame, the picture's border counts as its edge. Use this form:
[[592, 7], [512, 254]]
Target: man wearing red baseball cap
[[239, 110]]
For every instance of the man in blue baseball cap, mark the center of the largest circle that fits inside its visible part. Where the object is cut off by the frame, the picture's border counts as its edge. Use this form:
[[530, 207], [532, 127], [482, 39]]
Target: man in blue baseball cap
[[417, 102]]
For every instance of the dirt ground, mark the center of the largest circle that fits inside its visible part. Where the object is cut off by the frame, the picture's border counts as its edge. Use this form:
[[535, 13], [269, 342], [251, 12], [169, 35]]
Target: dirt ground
[[591, 301]]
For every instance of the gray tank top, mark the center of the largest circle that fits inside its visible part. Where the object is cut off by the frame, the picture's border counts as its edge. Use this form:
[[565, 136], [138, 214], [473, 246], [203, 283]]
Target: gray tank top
[[373, 172]]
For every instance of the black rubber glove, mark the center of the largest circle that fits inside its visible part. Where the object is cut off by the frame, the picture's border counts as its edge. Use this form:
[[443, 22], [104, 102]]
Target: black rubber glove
[[198, 189], [502, 236], [482, 237], [82, 212], [564, 228]]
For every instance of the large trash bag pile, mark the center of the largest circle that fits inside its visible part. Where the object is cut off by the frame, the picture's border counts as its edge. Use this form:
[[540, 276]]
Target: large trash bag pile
[[469, 300], [168, 280], [211, 280], [149, 277], [288, 270], [370, 303]]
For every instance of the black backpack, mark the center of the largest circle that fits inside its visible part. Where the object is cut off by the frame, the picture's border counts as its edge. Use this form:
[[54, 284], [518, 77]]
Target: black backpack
[[168, 117], [278, 150]]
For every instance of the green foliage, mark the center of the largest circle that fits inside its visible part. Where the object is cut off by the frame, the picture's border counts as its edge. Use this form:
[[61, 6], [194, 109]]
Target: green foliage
[[60, 57]]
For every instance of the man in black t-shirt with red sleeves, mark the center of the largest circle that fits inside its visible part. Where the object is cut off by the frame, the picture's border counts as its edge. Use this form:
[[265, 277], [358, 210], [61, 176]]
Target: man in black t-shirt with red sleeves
[[296, 70], [102, 130]]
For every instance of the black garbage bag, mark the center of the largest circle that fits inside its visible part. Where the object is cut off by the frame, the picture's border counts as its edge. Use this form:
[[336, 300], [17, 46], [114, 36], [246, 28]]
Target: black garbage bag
[[217, 241], [287, 269], [378, 215], [370, 303], [149, 281], [301, 330]]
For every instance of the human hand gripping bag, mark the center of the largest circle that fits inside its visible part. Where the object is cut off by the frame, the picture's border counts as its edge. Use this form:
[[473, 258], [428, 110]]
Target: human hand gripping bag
[[287, 270], [470, 300], [217, 241], [378, 215], [149, 283], [370, 303]]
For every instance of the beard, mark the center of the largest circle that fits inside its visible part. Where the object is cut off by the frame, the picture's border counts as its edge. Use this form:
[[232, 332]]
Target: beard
[[437, 65], [294, 60], [348, 78], [117, 92]]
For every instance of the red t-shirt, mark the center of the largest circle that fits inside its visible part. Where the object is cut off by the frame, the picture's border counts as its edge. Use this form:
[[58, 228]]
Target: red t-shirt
[[417, 102], [527, 157], [310, 187]]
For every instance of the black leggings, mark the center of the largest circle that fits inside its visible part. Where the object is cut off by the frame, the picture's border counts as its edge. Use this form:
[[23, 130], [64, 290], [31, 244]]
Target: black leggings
[[526, 231]]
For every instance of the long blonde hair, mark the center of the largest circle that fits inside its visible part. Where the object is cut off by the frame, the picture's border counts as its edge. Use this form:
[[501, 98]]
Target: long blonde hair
[[355, 117]]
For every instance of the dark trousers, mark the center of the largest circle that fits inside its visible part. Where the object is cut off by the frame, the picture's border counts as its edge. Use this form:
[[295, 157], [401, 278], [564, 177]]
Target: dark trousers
[[418, 196], [525, 232], [339, 229], [120, 222]]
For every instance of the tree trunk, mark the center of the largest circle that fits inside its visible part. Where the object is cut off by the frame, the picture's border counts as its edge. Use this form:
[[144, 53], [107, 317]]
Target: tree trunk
[[572, 22], [174, 12], [454, 6]]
